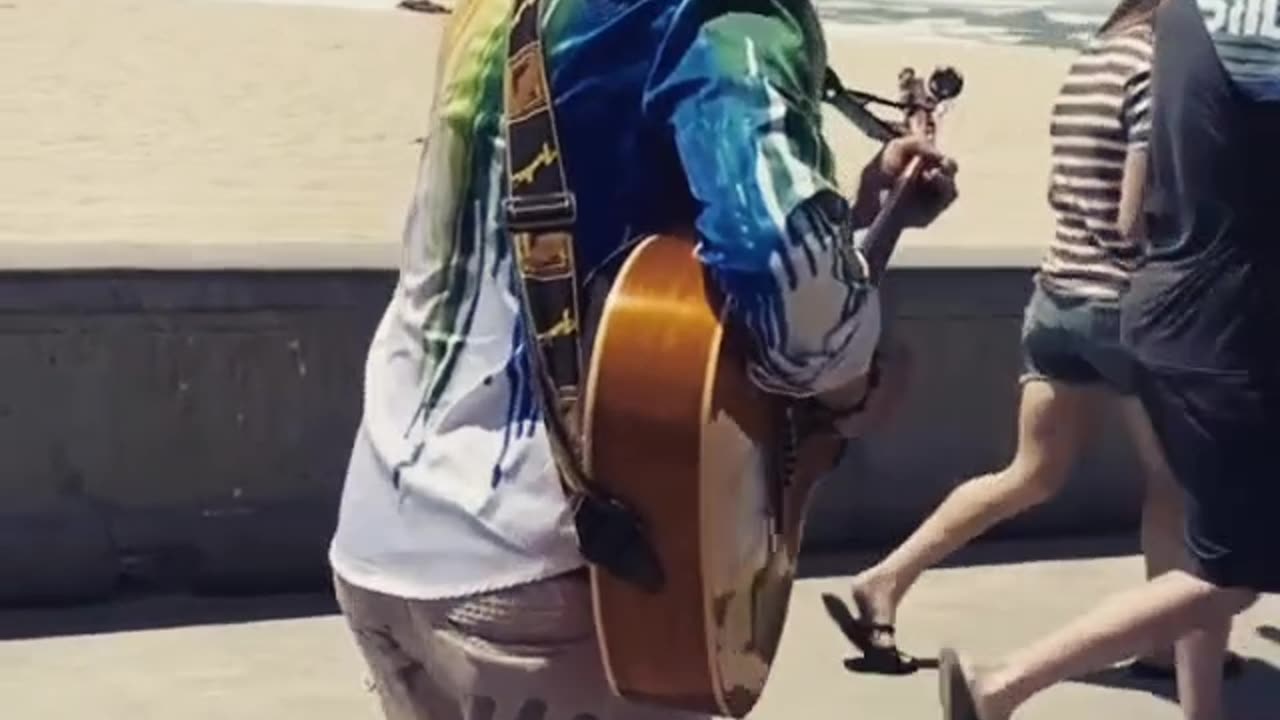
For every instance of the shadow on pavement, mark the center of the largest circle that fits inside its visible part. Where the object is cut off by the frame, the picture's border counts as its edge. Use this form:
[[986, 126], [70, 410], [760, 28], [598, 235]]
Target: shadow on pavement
[[1256, 688], [138, 611], [152, 612]]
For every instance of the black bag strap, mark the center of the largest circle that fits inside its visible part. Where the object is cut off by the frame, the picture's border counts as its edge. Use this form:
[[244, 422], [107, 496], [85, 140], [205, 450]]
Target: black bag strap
[[540, 214]]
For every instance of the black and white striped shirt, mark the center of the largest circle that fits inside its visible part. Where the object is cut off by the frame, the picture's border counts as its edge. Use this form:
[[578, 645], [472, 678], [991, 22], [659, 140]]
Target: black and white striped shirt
[[1101, 113]]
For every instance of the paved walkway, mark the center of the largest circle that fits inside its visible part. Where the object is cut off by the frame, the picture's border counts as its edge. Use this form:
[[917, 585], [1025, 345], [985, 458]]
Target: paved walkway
[[284, 658]]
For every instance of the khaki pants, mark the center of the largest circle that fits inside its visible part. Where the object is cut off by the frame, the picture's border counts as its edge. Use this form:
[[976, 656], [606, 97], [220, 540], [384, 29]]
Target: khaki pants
[[527, 653]]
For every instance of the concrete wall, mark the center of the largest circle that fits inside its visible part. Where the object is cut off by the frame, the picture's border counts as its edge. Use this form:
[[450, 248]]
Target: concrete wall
[[179, 428], [191, 429]]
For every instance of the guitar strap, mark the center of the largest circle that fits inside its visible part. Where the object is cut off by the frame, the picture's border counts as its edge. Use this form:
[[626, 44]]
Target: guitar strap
[[540, 214]]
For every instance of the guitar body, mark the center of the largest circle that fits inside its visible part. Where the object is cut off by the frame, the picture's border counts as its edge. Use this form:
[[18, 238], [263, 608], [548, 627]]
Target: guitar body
[[674, 428]]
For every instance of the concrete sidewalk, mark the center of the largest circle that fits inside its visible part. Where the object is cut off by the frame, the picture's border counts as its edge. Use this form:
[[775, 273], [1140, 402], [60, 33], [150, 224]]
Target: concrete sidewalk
[[279, 658]]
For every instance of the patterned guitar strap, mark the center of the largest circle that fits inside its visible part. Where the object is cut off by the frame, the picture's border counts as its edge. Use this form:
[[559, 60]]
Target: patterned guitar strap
[[540, 213]]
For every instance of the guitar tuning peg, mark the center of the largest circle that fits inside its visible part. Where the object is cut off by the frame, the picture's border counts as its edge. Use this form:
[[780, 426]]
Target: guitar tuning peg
[[945, 83]]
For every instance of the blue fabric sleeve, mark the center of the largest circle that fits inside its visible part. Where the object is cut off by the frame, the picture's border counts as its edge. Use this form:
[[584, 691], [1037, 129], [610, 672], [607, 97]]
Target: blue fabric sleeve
[[774, 229]]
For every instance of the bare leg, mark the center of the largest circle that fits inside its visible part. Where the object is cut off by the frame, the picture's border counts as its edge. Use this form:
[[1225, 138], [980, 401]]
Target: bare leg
[[1163, 518], [1153, 615], [1162, 508], [1053, 424], [1200, 655]]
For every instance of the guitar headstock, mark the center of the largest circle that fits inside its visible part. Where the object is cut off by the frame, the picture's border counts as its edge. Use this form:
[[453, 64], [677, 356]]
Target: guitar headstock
[[921, 102], [924, 102]]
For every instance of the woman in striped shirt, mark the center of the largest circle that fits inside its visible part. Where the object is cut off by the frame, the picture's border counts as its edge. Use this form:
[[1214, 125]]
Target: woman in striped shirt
[[1073, 359]]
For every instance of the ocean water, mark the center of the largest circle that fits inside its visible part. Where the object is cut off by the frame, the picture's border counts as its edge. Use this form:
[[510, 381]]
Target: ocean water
[[1053, 23]]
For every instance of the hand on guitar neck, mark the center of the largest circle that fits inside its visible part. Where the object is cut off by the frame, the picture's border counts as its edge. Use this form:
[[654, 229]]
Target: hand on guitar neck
[[908, 184]]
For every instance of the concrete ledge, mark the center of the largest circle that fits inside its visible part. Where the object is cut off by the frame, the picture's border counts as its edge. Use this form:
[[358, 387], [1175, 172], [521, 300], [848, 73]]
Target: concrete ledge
[[230, 546], [204, 417], [192, 427], [278, 256], [312, 255], [62, 553]]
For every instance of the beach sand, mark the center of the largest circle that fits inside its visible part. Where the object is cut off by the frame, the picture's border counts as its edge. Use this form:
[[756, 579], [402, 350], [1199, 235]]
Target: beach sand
[[195, 133]]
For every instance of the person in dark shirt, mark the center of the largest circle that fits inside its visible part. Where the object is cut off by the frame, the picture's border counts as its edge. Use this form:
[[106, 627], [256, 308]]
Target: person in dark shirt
[[1200, 318]]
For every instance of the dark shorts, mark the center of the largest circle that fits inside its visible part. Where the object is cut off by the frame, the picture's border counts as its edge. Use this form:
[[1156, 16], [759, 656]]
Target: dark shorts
[[1221, 432], [1074, 340]]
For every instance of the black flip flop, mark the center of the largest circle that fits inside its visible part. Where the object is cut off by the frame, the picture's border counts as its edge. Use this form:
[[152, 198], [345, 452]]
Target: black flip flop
[[1232, 666], [889, 659], [879, 658], [876, 659], [953, 688]]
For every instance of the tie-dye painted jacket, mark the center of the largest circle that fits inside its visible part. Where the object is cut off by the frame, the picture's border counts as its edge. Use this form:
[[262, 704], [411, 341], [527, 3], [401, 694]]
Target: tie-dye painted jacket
[[667, 110]]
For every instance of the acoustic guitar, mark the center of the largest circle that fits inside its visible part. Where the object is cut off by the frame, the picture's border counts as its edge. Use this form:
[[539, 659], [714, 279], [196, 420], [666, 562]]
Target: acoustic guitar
[[719, 473]]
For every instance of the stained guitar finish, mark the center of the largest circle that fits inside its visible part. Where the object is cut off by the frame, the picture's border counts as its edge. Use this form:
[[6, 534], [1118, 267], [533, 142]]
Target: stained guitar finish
[[674, 427]]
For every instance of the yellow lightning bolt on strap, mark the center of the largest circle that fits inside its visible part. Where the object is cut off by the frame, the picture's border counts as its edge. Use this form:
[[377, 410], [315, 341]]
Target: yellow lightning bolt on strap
[[525, 175], [563, 327]]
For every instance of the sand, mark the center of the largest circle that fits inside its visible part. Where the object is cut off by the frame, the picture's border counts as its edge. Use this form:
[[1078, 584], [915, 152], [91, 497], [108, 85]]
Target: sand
[[196, 133]]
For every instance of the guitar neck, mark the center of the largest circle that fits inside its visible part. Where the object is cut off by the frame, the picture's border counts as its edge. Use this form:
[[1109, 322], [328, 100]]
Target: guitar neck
[[882, 235], [921, 100]]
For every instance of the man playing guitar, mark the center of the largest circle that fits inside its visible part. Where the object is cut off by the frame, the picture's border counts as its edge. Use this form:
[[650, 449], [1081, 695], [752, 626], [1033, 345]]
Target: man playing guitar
[[455, 554]]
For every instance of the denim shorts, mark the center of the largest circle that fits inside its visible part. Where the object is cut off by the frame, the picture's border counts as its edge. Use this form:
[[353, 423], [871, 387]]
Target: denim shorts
[[1075, 340]]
